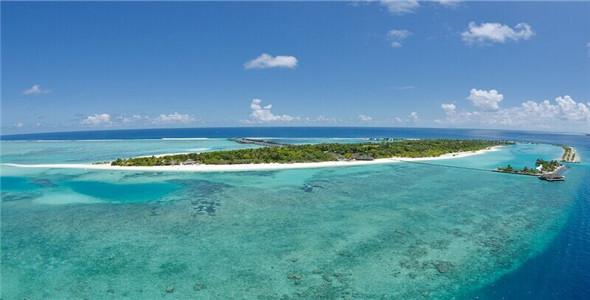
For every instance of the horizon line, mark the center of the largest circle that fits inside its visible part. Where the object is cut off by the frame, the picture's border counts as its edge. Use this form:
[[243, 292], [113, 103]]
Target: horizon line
[[15, 135]]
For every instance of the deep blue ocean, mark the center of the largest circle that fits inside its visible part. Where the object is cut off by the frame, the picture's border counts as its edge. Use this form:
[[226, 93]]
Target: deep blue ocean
[[303, 132], [560, 271]]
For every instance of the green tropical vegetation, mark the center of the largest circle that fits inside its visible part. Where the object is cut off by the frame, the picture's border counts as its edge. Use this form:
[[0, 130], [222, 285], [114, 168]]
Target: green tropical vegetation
[[316, 153], [548, 166]]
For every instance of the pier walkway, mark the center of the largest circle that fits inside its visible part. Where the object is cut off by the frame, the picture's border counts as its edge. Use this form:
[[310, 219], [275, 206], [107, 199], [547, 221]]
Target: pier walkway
[[446, 166], [259, 142], [555, 174]]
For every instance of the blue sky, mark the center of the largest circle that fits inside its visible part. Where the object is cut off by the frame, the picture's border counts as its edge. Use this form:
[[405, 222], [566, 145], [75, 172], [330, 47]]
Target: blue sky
[[82, 66]]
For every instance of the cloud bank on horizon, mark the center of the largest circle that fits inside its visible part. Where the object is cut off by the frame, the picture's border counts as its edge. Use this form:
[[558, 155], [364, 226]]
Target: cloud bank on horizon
[[451, 65], [529, 114], [263, 114]]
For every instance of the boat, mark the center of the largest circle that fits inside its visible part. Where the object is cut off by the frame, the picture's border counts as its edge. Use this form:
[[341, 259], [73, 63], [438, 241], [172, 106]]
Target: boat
[[552, 177]]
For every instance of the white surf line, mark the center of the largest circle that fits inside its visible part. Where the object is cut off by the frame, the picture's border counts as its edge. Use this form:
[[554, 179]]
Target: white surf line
[[247, 167], [188, 139]]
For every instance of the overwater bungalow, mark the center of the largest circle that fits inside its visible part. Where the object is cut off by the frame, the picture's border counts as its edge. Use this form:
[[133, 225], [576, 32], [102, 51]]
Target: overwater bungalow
[[552, 177]]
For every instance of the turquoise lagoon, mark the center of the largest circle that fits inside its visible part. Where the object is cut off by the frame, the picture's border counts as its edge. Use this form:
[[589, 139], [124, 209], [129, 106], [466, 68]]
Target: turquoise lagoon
[[392, 231]]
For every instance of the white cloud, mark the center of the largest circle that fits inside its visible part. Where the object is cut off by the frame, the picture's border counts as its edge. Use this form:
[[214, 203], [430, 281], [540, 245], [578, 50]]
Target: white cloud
[[447, 2], [365, 118], [136, 120], [486, 100], [132, 119], [266, 61], [562, 114], [321, 119], [97, 119], [588, 47], [262, 114], [451, 113], [19, 125], [571, 110], [449, 108], [400, 7], [173, 118], [35, 90], [397, 36], [411, 118], [486, 33]]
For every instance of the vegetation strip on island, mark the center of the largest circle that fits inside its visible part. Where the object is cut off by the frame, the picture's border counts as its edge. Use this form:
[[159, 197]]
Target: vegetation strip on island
[[541, 166], [259, 142], [287, 154], [569, 155]]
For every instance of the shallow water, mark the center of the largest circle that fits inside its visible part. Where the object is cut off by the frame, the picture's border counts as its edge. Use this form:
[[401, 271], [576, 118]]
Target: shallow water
[[382, 231]]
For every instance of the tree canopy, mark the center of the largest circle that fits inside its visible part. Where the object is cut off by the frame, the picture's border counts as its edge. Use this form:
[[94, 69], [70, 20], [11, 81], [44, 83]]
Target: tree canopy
[[316, 153]]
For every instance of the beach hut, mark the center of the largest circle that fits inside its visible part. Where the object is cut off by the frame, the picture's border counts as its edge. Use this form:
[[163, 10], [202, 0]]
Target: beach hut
[[189, 162]]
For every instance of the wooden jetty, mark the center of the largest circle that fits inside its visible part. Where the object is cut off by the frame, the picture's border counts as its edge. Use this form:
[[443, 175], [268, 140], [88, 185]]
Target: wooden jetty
[[547, 176], [555, 175], [259, 142]]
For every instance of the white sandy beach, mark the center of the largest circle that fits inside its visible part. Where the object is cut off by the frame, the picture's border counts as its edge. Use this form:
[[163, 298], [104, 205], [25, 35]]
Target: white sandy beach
[[249, 167]]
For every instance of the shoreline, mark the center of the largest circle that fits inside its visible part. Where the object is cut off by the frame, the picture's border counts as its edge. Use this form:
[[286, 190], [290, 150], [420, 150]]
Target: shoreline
[[577, 157], [250, 167]]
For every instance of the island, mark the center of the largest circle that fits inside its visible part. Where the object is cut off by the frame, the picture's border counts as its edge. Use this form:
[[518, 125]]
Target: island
[[549, 170], [541, 166], [569, 155], [314, 153]]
